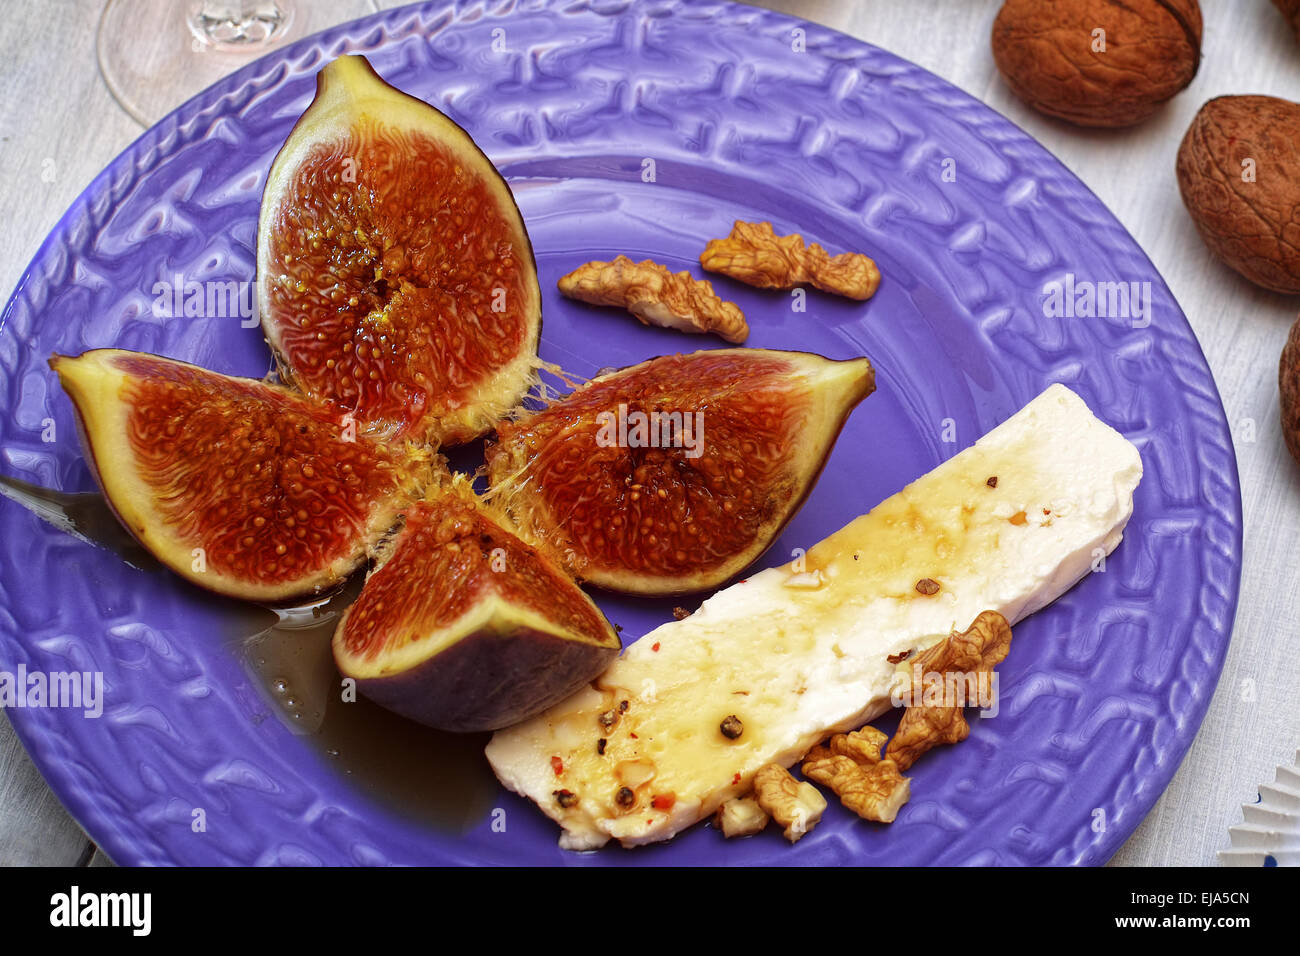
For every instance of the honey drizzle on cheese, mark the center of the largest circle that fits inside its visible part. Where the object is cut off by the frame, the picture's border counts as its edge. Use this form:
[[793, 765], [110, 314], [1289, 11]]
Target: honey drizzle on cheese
[[801, 651]]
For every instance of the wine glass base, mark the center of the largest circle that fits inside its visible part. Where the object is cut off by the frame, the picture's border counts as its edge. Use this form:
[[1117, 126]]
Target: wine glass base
[[156, 54]]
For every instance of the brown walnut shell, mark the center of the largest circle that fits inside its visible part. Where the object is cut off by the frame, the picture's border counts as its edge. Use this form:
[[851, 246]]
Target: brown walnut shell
[[1047, 50], [1239, 175], [1288, 382], [1291, 10]]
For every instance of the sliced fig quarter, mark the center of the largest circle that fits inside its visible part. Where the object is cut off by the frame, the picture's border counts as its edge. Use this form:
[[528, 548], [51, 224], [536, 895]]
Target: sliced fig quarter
[[242, 487], [395, 275], [599, 476], [465, 627]]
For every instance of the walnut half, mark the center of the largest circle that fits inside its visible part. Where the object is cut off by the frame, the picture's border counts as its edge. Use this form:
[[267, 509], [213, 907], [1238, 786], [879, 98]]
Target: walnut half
[[980, 648], [795, 805], [756, 255], [874, 791], [656, 296], [852, 767]]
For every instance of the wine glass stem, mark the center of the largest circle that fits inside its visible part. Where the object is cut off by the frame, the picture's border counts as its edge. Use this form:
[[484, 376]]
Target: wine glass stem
[[239, 23]]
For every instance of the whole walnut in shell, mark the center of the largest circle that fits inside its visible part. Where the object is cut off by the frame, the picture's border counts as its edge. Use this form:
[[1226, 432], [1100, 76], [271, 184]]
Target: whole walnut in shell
[[1291, 10], [1288, 382], [1097, 62], [1239, 173]]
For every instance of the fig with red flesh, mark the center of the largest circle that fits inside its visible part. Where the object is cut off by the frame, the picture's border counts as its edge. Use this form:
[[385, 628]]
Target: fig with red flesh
[[395, 275], [465, 627], [594, 475], [242, 487]]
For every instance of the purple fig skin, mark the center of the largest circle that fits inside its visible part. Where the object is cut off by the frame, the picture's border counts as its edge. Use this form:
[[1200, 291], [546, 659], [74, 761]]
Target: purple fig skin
[[465, 688]]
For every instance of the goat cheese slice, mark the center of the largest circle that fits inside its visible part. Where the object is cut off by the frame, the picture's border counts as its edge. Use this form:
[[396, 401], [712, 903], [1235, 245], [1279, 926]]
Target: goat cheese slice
[[802, 651]]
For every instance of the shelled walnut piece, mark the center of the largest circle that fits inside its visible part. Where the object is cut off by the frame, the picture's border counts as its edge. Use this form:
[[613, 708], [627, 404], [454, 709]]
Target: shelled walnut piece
[[979, 649], [851, 766], [756, 255], [656, 296], [796, 805]]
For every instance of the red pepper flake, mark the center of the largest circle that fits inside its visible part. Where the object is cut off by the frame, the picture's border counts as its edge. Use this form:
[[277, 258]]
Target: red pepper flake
[[735, 779], [634, 736], [655, 647], [992, 481], [664, 801], [557, 765]]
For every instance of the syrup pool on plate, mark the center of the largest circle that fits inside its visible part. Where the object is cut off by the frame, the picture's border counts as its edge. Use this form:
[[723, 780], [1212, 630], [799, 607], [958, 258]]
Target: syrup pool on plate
[[437, 778]]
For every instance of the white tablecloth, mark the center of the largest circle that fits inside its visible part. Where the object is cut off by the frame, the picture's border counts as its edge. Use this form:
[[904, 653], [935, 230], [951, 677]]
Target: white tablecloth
[[59, 126]]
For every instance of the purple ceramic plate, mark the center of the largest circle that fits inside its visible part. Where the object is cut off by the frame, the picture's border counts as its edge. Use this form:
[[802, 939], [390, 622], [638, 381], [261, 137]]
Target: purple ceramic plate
[[641, 128]]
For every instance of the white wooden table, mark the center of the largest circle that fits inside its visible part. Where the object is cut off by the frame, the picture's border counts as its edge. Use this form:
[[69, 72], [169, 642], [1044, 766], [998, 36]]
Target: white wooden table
[[59, 126]]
